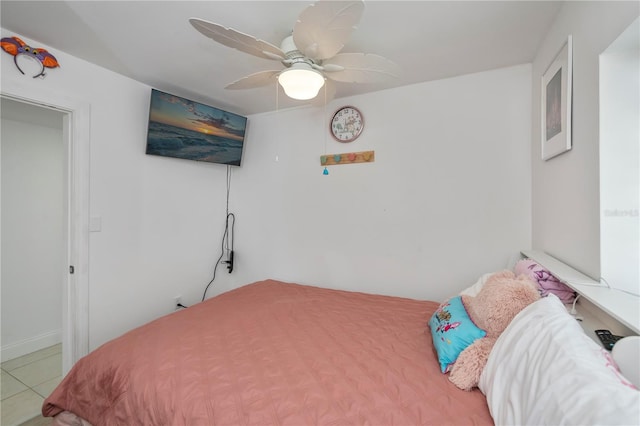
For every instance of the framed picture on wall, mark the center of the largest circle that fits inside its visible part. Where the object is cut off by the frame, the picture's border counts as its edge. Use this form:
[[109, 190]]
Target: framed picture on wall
[[556, 103]]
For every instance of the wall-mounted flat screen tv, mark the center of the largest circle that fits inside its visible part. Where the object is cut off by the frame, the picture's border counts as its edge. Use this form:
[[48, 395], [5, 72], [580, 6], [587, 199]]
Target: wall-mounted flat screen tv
[[186, 129]]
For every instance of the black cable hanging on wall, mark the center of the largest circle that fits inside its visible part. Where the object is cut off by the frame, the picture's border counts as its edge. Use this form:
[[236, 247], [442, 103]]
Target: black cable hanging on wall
[[227, 238]]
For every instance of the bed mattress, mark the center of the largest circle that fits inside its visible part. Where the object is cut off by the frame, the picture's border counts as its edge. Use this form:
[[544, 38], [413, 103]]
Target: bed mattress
[[273, 353]]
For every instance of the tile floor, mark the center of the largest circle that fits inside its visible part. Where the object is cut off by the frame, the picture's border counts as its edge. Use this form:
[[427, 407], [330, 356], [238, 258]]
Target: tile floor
[[25, 383]]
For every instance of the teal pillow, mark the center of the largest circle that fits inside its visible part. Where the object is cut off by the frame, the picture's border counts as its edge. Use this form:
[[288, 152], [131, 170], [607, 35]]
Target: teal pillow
[[452, 331]]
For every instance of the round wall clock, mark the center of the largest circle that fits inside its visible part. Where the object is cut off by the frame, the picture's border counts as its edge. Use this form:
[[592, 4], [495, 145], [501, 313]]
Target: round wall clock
[[347, 124]]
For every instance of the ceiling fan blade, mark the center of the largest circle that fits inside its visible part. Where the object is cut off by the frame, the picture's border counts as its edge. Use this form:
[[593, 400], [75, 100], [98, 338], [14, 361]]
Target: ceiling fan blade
[[323, 28], [259, 79], [360, 68], [237, 40], [321, 98]]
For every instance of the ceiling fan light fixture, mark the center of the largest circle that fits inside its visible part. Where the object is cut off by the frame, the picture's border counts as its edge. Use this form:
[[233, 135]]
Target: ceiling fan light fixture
[[301, 83]]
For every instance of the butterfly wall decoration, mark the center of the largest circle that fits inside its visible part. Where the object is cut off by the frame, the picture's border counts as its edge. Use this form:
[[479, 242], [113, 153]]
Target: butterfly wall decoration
[[16, 47]]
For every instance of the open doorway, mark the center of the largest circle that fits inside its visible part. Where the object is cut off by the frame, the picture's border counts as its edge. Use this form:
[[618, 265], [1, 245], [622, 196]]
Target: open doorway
[[33, 200], [33, 223], [75, 131]]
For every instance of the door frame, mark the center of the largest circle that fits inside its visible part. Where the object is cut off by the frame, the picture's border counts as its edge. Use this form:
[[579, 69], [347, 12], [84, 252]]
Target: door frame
[[76, 140]]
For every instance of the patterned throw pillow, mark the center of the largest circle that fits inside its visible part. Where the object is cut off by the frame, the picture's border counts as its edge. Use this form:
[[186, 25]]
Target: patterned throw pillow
[[452, 331]]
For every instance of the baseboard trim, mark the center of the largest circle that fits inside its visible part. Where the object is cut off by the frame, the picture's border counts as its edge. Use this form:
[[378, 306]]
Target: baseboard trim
[[32, 344]]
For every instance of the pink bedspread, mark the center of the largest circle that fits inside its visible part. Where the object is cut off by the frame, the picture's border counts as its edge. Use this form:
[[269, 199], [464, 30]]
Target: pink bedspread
[[272, 353]]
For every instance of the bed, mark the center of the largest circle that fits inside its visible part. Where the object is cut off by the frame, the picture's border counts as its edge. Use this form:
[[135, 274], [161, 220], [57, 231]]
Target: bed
[[288, 354], [272, 353]]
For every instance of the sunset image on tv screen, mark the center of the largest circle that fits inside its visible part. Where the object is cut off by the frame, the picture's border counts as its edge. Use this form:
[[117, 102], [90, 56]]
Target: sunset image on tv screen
[[186, 129]]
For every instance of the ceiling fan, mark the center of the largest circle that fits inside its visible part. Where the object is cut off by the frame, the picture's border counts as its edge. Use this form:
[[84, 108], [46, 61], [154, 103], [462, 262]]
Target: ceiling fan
[[310, 54]]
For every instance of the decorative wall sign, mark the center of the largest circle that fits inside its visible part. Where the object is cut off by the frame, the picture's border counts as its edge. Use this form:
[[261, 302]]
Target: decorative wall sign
[[556, 103], [347, 158], [18, 48]]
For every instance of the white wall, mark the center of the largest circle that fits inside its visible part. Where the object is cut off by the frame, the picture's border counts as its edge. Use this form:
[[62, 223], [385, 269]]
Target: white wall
[[566, 208], [448, 197], [620, 164], [161, 218], [32, 223]]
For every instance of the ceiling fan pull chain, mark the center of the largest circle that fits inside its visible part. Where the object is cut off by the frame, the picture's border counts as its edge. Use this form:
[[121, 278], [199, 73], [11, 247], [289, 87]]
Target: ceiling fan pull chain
[[324, 120]]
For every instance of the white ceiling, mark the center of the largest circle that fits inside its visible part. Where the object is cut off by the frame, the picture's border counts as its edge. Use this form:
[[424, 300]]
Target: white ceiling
[[153, 42]]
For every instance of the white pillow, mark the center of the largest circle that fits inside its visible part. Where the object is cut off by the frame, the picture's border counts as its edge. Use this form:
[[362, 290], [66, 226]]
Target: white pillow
[[626, 353], [543, 370], [475, 288]]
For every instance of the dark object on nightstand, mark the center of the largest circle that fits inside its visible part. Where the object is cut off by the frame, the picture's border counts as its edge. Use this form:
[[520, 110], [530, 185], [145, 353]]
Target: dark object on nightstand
[[607, 339]]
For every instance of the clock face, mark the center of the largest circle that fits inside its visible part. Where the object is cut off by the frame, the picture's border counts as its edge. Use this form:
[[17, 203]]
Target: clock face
[[347, 124]]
